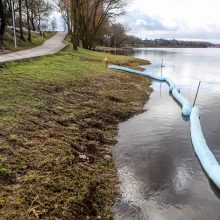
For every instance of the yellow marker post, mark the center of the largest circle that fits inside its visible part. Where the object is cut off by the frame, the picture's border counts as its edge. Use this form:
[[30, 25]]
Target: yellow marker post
[[106, 62]]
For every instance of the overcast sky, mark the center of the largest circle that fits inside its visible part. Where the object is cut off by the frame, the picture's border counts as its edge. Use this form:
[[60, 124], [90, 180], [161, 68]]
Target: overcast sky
[[179, 19]]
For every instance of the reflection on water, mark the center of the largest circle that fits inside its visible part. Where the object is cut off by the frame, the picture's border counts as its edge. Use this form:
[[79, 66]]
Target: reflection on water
[[161, 177]]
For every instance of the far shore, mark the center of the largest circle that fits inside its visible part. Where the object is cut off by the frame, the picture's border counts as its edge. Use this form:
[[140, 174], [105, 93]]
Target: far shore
[[114, 49]]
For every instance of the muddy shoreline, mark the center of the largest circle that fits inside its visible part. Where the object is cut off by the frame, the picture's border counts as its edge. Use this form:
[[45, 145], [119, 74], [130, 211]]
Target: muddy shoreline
[[56, 129]]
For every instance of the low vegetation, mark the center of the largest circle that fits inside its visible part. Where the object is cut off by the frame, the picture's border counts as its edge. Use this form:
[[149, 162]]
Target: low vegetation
[[58, 117]]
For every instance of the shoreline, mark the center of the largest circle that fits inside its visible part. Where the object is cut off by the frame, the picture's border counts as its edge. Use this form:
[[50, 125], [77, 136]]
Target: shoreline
[[114, 50], [58, 118]]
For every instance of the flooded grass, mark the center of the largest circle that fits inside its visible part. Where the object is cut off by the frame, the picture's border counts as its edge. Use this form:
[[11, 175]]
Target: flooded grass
[[58, 117]]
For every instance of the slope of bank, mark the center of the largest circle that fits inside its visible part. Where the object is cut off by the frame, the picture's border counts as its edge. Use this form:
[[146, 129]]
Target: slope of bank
[[58, 116], [37, 40], [51, 46]]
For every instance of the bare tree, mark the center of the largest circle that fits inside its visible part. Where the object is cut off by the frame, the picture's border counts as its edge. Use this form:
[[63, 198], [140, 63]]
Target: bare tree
[[39, 11], [30, 13], [28, 20], [2, 22], [113, 35], [20, 20], [87, 18], [76, 6], [94, 15], [117, 35], [64, 7], [53, 24]]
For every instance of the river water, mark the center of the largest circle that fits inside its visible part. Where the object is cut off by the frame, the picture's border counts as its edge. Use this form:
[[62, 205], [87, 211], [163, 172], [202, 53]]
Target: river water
[[160, 176]]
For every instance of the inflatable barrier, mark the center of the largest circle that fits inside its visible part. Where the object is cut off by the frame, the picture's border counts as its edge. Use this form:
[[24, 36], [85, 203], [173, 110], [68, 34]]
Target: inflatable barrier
[[207, 159], [170, 83], [202, 150], [186, 108], [152, 76]]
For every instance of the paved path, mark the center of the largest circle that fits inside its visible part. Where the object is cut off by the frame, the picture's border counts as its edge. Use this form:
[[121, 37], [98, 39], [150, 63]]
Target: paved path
[[51, 46]]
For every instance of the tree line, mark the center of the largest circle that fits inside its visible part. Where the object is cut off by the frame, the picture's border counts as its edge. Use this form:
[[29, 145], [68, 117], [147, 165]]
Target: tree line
[[91, 22], [31, 15]]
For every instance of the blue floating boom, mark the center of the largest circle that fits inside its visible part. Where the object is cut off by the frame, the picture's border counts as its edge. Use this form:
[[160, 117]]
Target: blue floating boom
[[207, 159], [152, 76], [170, 83], [186, 107]]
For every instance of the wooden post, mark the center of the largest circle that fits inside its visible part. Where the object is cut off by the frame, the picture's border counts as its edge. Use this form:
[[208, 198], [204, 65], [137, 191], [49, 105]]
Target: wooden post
[[106, 62], [197, 93], [161, 71]]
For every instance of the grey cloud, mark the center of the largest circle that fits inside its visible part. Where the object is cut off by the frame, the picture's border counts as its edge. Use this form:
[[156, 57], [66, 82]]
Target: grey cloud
[[137, 21], [145, 26], [191, 35]]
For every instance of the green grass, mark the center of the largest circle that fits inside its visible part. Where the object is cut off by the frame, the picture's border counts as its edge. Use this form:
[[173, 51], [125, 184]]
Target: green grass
[[53, 109], [4, 172], [21, 45], [21, 82]]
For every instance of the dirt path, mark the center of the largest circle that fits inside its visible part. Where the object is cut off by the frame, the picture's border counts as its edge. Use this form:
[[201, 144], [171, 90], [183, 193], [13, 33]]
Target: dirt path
[[51, 46]]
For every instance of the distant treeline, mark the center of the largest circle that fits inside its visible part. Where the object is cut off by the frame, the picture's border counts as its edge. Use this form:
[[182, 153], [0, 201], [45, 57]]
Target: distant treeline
[[133, 41], [118, 38]]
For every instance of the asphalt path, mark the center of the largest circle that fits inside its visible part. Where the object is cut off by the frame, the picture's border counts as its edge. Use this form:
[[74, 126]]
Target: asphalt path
[[51, 46]]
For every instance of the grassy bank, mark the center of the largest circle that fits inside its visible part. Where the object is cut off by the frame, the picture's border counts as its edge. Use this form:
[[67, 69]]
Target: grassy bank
[[58, 116], [37, 40]]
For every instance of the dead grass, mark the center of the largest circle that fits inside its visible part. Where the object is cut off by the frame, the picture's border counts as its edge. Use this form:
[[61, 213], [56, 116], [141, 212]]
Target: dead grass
[[53, 110]]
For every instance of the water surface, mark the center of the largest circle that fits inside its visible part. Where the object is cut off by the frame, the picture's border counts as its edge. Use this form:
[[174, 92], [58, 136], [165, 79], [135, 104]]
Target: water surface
[[160, 175]]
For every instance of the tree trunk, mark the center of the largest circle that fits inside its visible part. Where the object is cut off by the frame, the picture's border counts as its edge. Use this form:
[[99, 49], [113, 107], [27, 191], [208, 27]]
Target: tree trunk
[[68, 24], [39, 22], [74, 8], [21, 21], [2, 24], [28, 21], [32, 24], [88, 41]]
